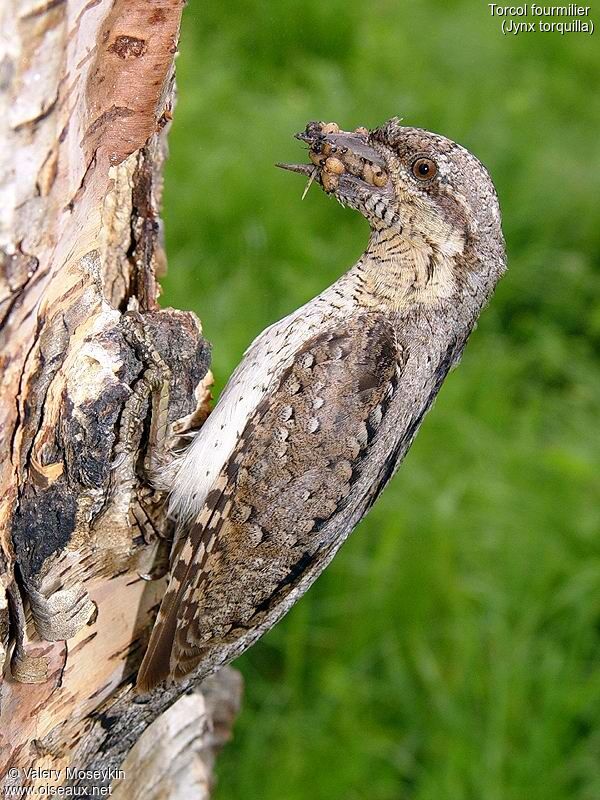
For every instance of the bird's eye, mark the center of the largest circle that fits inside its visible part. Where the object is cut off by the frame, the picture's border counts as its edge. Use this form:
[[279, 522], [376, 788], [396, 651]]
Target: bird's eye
[[424, 169]]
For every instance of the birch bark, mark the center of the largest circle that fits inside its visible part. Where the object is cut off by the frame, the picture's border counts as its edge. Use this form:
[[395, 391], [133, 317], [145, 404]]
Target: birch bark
[[86, 93]]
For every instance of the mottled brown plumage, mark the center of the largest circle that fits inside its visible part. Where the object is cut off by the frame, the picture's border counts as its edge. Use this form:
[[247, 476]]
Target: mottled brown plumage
[[323, 407]]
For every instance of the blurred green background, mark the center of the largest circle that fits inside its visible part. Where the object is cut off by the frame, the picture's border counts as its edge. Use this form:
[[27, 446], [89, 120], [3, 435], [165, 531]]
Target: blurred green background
[[452, 650]]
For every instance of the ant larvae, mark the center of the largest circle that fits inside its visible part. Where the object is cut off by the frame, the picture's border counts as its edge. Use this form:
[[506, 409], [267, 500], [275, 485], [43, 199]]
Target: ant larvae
[[380, 178], [362, 131], [368, 174], [354, 163], [334, 165], [316, 158], [330, 127], [330, 182]]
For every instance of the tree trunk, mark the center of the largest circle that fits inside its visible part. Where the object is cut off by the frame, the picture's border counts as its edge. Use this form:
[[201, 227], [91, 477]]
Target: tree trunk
[[86, 91]]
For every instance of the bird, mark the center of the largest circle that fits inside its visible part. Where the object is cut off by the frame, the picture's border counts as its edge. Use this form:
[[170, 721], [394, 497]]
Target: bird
[[325, 403]]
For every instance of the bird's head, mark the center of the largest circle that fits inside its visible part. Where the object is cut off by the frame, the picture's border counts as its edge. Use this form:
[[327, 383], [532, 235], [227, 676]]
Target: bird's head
[[434, 193]]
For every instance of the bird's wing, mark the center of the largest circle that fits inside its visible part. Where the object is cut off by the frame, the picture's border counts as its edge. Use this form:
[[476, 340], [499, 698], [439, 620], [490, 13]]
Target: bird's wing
[[264, 522]]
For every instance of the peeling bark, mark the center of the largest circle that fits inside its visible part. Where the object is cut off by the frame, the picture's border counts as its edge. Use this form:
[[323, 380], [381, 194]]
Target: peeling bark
[[86, 92]]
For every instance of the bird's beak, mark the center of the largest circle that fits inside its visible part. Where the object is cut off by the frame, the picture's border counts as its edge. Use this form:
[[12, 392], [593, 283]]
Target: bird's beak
[[337, 155], [322, 139]]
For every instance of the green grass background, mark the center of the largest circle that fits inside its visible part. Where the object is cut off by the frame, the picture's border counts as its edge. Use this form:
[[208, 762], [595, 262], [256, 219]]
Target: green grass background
[[452, 650]]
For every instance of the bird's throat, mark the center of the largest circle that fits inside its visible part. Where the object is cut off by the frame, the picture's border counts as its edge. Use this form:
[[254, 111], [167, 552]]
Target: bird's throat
[[397, 271]]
